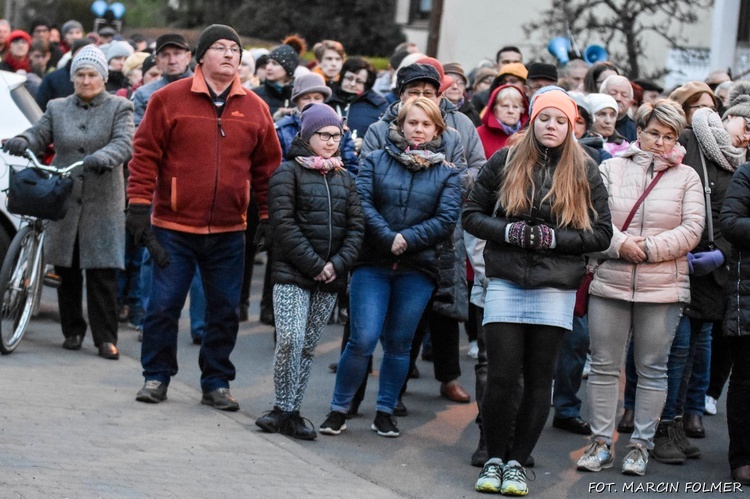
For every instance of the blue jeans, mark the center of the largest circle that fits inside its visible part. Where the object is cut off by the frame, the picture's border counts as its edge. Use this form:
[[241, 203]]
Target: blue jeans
[[220, 258], [197, 297], [386, 305], [129, 290], [697, 373], [678, 359], [569, 370]]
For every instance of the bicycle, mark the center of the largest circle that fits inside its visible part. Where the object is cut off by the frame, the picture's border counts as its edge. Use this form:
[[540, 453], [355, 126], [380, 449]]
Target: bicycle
[[22, 269]]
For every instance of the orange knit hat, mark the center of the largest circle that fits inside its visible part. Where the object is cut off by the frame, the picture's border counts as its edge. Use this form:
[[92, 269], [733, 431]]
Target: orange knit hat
[[557, 99]]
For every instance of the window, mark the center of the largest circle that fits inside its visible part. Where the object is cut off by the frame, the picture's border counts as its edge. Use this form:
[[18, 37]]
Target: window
[[419, 11], [743, 26]]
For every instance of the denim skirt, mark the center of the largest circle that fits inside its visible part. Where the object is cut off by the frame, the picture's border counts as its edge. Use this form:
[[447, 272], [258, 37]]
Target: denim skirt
[[505, 301]]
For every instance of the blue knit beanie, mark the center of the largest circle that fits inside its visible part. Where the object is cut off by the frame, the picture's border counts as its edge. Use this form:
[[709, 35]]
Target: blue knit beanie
[[316, 116]]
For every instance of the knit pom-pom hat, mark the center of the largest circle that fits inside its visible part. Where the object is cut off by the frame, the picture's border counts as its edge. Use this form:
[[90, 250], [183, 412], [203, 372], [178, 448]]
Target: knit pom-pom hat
[[739, 99]]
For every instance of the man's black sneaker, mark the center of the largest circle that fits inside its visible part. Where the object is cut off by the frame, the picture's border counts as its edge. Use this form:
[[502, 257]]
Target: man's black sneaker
[[294, 426], [271, 421], [221, 399], [334, 424], [153, 392], [385, 425]]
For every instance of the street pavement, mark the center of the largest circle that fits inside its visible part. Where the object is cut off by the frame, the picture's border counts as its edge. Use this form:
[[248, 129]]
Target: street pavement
[[70, 427]]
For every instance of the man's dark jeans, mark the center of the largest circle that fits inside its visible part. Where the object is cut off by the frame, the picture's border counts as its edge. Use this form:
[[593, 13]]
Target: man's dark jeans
[[220, 258]]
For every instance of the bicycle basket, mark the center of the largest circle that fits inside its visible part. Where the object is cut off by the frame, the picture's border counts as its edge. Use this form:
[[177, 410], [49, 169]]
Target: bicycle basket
[[38, 194]]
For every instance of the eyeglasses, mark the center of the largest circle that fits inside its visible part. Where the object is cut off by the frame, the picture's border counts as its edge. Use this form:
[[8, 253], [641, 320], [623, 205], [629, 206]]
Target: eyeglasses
[[655, 136], [354, 81], [325, 136], [458, 81], [234, 49], [430, 94]]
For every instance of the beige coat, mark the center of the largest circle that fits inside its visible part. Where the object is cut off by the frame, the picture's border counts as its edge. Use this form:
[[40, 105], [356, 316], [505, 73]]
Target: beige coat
[[671, 219]]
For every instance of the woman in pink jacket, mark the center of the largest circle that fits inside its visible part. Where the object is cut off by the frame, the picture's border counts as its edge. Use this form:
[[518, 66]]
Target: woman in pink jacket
[[641, 282]]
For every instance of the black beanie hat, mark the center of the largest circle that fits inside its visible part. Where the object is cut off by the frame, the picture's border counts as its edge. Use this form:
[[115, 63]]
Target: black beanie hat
[[287, 57], [417, 72], [212, 34]]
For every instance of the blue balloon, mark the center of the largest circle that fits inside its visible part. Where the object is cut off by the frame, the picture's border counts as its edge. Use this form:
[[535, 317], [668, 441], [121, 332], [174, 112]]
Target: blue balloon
[[99, 8], [117, 9]]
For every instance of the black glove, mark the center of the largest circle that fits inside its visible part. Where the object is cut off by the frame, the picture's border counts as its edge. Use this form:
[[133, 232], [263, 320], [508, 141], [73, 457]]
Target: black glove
[[519, 234], [16, 146], [541, 237], [262, 236], [157, 251], [138, 220], [93, 164], [138, 223]]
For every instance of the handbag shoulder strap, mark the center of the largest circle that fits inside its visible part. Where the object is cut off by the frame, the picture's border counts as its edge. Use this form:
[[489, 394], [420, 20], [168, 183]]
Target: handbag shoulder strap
[[707, 191], [641, 199]]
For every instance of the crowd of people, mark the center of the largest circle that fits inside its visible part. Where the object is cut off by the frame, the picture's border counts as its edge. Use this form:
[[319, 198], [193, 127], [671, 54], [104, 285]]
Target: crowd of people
[[569, 217]]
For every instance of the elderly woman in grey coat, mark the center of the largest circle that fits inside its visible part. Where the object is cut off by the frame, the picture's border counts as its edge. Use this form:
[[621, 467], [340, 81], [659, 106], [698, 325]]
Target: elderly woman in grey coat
[[96, 127]]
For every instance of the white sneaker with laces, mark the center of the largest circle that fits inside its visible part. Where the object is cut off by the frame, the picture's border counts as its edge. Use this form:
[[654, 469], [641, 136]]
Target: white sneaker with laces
[[514, 480], [710, 405], [596, 458], [491, 476], [636, 460]]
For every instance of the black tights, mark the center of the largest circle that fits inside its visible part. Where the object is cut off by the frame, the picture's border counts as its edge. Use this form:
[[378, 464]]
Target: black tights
[[511, 348]]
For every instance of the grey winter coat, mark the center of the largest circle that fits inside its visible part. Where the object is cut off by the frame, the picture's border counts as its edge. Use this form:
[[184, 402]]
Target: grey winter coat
[[102, 128]]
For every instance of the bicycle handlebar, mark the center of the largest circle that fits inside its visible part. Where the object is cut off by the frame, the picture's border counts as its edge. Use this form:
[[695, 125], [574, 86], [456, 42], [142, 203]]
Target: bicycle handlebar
[[29, 154]]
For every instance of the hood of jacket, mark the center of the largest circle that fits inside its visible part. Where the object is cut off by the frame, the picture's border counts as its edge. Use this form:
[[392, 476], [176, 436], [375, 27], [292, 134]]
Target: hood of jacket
[[490, 121]]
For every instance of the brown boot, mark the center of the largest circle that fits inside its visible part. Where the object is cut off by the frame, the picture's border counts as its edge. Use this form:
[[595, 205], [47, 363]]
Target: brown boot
[[693, 426]]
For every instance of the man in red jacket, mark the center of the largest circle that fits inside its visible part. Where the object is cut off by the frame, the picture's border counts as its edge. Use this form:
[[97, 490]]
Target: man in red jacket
[[203, 144]]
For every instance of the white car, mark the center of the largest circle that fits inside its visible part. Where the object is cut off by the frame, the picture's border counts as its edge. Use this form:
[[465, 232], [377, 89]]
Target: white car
[[19, 112]]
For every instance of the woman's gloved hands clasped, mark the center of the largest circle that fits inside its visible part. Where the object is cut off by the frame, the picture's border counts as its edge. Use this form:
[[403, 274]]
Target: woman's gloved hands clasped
[[536, 237]]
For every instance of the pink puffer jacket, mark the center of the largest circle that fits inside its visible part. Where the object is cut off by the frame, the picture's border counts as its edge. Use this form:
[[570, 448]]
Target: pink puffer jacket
[[671, 219]]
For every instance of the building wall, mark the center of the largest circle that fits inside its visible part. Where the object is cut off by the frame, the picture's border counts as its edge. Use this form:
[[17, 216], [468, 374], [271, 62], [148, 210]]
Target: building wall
[[475, 29]]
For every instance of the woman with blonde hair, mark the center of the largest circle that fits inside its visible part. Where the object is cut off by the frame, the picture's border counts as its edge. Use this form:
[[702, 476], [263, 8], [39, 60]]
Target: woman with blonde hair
[[411, 201], [540, 205], [641, 282]]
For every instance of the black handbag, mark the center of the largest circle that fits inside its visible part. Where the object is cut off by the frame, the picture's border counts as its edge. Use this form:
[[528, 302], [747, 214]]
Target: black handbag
[[39, 194]]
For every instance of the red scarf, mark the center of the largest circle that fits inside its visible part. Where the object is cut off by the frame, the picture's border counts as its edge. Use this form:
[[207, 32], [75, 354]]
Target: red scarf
[[15, 64]]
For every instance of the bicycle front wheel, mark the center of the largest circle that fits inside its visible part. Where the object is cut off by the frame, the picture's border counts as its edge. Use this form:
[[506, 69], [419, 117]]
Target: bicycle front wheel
[[18, 278]]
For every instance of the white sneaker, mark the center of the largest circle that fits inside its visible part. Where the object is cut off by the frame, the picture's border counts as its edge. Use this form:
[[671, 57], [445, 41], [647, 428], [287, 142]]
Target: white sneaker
[[491, 476], [635, 461], [710, 406], [473, 350], [596, 458], [514, 480]]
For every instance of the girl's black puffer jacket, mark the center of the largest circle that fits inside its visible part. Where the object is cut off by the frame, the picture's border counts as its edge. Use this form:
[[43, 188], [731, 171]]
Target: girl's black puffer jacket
[[315, 218], [562, 267]]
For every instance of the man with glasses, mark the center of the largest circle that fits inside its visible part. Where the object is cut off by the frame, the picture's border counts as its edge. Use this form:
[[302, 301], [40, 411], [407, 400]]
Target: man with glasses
[[201, 147]]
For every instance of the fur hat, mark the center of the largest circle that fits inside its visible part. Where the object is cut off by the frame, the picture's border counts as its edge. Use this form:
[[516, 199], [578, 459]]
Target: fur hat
[[558, 99], [287, 57], [597, 102], [316, 116], [212, 34], [308, 83], [417, 72], [90, 55], [739, 99]]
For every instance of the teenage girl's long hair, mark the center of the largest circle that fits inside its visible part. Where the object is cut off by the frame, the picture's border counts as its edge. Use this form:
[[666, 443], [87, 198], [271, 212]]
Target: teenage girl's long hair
[[570, 195]]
